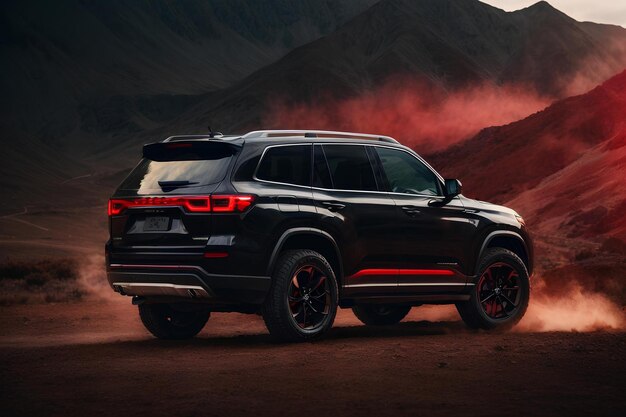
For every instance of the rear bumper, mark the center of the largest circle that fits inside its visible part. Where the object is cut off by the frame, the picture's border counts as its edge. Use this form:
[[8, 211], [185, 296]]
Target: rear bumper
[[186, 282]]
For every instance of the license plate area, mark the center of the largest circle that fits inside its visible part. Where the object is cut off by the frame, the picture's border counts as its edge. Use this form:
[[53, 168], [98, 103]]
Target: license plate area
[[157, 224]]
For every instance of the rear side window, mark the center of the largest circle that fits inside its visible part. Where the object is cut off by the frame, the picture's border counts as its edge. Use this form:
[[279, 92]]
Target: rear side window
[[179, 167], [407, 174], [350, 167], [287, 164]]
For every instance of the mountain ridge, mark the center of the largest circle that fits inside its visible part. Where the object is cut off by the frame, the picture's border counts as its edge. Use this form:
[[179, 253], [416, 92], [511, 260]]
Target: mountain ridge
[[561, 168], [62, 54], [104, 132], [446, 43]]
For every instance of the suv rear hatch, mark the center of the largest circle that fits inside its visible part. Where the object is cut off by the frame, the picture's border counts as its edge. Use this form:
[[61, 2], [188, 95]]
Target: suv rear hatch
[[167, 202]]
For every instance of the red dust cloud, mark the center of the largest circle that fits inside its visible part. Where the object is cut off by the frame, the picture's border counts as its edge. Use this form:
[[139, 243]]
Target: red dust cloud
[[92, 276], [575, 309], [413, 113]]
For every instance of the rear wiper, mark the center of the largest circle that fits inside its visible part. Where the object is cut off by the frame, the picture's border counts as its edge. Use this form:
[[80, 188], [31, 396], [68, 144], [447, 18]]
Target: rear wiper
[[175, 184]]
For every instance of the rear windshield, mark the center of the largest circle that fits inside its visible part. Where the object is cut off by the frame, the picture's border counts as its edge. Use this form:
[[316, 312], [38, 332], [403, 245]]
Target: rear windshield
[[186, 170]]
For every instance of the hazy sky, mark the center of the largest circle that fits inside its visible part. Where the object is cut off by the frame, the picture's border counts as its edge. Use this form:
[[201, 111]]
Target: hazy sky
[[599, 11]]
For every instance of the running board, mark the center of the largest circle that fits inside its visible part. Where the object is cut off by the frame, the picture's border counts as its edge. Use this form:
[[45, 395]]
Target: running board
[[406, 299]]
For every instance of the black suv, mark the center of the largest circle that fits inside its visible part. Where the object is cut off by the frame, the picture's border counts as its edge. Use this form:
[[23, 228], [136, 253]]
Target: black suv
[[293, 224]]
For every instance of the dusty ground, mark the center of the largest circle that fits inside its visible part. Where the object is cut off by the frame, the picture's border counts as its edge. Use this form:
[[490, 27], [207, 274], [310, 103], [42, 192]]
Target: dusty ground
[[94, 358]]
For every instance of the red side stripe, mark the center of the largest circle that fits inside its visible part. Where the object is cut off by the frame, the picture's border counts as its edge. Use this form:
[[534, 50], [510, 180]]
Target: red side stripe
[[368, 272], [425, 272], [212, 255]]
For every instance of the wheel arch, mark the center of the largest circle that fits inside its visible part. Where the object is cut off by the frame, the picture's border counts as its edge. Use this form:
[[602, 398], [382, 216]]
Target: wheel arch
[[508, 240], [313, 239]]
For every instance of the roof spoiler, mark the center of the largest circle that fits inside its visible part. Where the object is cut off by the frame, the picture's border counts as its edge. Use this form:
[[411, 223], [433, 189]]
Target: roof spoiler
[[189, 150]]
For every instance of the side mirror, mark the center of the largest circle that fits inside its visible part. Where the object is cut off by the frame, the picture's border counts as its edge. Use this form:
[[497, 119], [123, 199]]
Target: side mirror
[[453, 187]]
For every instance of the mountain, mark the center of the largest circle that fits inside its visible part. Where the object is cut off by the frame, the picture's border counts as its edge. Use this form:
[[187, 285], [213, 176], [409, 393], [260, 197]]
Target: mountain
[[78, 76], [446, 44], [87, 77], [73, 68], [562, 168]]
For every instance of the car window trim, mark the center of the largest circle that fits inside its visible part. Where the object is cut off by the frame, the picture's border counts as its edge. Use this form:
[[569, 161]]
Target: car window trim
[[419, 159], [403, 149], [332, 183], [373, 166], [378, 169], [256, 170], [369, 159]]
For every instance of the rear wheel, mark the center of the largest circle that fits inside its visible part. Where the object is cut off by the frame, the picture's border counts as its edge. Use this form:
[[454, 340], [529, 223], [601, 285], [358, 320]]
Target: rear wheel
[[380, 315], [171, 322], [500, 297], [302, 302]]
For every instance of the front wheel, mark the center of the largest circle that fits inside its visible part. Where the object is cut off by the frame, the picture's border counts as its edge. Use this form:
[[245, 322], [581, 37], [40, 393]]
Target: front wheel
[[166, 321], [500, 297], [302, 302], [380, 315]]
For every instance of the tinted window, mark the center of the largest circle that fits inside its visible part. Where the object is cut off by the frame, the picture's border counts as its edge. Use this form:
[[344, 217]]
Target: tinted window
[[407, 174], [321, 174], [287, 164], [350, 167], [147, 175]]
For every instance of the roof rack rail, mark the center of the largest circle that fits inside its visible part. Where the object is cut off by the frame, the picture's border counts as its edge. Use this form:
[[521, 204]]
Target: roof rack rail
[[316, 134]]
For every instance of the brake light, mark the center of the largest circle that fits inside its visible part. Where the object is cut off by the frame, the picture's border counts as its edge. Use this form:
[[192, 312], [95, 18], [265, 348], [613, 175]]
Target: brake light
[[235, 203], [116, 207], [191, 204], [231, 203]]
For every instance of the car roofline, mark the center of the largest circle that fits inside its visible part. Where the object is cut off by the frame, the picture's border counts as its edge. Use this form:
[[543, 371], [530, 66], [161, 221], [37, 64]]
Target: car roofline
[[316, 136]]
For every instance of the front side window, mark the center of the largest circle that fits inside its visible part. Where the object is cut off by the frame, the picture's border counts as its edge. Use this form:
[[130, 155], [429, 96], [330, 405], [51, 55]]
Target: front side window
[[287, 164], [407, 174], [350, 167]]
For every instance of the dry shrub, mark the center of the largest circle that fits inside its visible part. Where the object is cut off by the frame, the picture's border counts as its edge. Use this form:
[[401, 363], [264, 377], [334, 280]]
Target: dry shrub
[[39, 281]]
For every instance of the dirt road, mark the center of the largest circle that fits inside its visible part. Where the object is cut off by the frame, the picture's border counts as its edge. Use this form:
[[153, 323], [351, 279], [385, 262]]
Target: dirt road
[[95, 359]]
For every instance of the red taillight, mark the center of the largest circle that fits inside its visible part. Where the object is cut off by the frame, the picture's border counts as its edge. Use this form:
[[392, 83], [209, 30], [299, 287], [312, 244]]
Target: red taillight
[[236, 203], [116, 207], [231, 203]]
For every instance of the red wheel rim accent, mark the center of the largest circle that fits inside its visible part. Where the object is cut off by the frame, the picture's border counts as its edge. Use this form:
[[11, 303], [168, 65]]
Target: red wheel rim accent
[[309, 297], [498, 291]]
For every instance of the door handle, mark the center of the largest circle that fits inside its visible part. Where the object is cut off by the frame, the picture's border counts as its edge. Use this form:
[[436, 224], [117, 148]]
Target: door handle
[[333, 205], [411, 211]]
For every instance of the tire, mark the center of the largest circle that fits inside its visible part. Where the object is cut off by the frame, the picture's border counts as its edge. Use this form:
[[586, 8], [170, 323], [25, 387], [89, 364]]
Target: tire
[[301, 282], [380, 315], [491, 308], [166, 322]]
